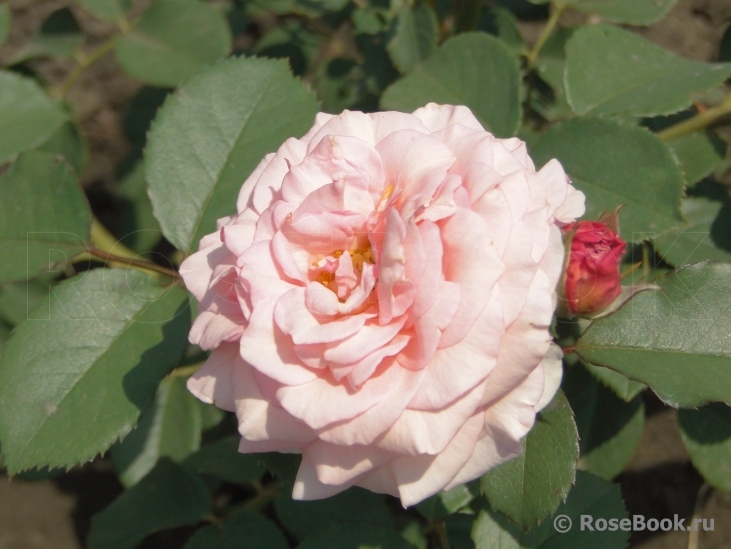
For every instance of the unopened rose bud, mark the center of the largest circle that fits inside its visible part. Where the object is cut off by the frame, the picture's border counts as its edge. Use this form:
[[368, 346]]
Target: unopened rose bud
[[592, 279]]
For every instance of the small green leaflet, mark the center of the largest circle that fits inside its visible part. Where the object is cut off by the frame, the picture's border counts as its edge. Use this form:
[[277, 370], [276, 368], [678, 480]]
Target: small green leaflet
[[609, 428], [614, 71], [27, 116], [532, 485], [106, 337], [472, 69], [44, 217], [706, 433], [172, 41], [168, 497], [590, 496], [171, 427], [243, 529], [210, 136], [616, 164], [675, 340]]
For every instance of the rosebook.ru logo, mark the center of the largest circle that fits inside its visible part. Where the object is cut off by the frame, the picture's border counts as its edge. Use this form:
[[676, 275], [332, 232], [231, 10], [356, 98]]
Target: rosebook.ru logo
[[563, 523]]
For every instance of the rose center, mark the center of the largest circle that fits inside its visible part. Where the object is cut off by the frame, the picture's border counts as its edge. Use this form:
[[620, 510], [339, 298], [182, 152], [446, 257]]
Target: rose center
[[341, 273]]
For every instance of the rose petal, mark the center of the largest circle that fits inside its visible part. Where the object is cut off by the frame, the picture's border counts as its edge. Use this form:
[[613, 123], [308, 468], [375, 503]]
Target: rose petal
[[421, 477], [324, 401], [212, 383], [269, 350], [436, 117]]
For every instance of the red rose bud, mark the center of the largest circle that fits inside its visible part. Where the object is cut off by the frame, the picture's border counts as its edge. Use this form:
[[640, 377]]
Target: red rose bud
[[592, 279]]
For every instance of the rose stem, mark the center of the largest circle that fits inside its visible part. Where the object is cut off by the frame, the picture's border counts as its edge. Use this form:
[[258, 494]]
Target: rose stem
[[103, 243], [441, 530], [532, 56], [84, 60], [698, 122]]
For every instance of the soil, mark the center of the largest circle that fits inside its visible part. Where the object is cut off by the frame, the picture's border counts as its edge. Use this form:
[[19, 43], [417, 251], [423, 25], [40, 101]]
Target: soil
[[56, 512]]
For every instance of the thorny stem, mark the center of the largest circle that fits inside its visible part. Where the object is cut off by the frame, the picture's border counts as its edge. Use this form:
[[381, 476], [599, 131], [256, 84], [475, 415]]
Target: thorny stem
[[629, 270], [532, 56], [103, 240], [83, 62], [139, 264], [103, 243], [441, 531], [263, 496], [699, 122]]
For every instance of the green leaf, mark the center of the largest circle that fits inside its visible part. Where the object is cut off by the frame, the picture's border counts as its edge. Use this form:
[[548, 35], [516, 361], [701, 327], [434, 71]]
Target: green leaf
[[303, 519], [699, 154], [171, 428], [211, 415], [4, 22], [242, 529], [293, 41], [706, 433], [550, 66], [533, 485], [625, 388], [140, 111], [472, 69], [590, 496], [282, 466], [59, 36], [138, 229], [173, 40], [356, 537], [44, 217], [5, 330], [446, 503], [631, 12], [415, 37], [18, 299], [106, 339], [168, 497], [210, 136], [674, 340], [707, 235], [459, 530], [647, 181], [504, 24], [27, 116], [609, 428], [614, 71], [367, 20], [223, 460], [551, 62], [108, 10], [68, 142]]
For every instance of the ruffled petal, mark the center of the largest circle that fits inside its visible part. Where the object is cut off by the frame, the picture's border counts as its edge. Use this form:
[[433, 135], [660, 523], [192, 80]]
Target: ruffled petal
[[324, 401], [212, 383], [437, 117], [423, 476], [429, 432], [335, 464], [268, 349]]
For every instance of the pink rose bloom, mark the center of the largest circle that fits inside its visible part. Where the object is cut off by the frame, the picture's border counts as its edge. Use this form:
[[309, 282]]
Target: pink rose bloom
[[381, 301]]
